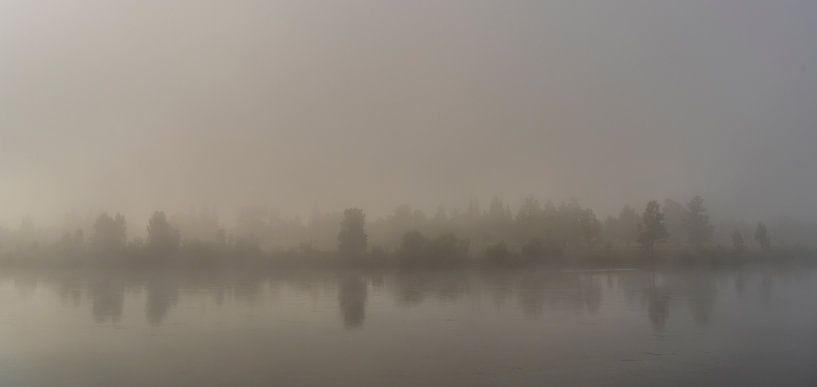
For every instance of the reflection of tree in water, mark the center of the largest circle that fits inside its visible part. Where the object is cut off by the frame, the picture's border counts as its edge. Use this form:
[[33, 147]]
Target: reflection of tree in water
[[558, 291], [740, 283], [70, 291], [657, 296], [352, 295], [701, 292], [162, 295], [765, 288], [534, 292], [659, 291], [107, 297], [412, 288]]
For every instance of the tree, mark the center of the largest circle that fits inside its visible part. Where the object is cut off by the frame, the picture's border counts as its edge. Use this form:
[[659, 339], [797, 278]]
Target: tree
[[696, 222], [762, 237], [496, 223], [652, 227], [529, 220], [738, 242], [590, 226], [252, 224], [413, 248], [499, 213], [163, 238], [447, 249], [675, 215], [352, 238], [568, 225], [391, 228], [443, 251], [109, 233]]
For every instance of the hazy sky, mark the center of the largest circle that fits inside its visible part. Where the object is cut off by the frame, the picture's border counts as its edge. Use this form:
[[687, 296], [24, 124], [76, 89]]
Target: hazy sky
[[139, 105]]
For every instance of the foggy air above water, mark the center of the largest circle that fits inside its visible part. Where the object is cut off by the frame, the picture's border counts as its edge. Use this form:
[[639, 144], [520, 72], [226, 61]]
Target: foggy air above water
[[290, 192]]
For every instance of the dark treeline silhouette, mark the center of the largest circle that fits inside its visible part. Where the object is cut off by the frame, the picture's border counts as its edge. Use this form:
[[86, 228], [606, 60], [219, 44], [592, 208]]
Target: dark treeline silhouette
[[534, 233]]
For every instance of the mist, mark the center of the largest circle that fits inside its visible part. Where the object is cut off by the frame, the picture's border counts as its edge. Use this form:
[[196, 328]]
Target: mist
[[136, 106], [408, 193]]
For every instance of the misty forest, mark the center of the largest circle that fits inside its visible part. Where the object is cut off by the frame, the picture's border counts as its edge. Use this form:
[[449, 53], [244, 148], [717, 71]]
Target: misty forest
[[497, 236], [480, 193]]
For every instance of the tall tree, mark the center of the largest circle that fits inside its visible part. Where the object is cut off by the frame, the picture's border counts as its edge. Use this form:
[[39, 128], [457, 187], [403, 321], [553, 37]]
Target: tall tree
[[110, 233], [529, 221], [163, 238], [652, 227], [352, 238], [499, 212], [738, 242], [696, 222], [675, 215], [590, 226], [762, 237]]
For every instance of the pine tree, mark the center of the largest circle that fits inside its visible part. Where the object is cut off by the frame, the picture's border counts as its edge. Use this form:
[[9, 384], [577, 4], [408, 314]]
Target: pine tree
[[352, 238], [652, 228]]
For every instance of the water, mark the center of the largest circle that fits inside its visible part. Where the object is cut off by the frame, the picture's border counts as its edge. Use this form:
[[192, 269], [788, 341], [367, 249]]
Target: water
[[752, 326]]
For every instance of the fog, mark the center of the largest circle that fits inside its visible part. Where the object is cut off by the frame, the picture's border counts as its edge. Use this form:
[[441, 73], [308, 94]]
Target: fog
[[528, 192], [135, 106]]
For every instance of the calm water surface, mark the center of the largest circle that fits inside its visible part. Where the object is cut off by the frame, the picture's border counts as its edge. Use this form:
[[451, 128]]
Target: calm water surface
[[750, 326]]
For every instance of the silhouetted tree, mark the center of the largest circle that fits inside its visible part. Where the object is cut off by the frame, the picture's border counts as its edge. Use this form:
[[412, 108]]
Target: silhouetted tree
[[652, 227], [447, 249], [418, 250], [696, 222], [390, 229], [675, 215], [412, 248], [738, 242], [529, 220], [590, 226], [762, 237], [109, 233], [352, 238], [498, 220], [162, 238]]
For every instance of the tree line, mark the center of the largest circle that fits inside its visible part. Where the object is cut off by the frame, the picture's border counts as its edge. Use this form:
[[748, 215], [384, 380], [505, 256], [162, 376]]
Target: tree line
[[539, 232], [535, 232]]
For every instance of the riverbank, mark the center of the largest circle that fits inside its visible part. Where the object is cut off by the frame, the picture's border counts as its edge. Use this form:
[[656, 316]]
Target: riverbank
[[497, 259]]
